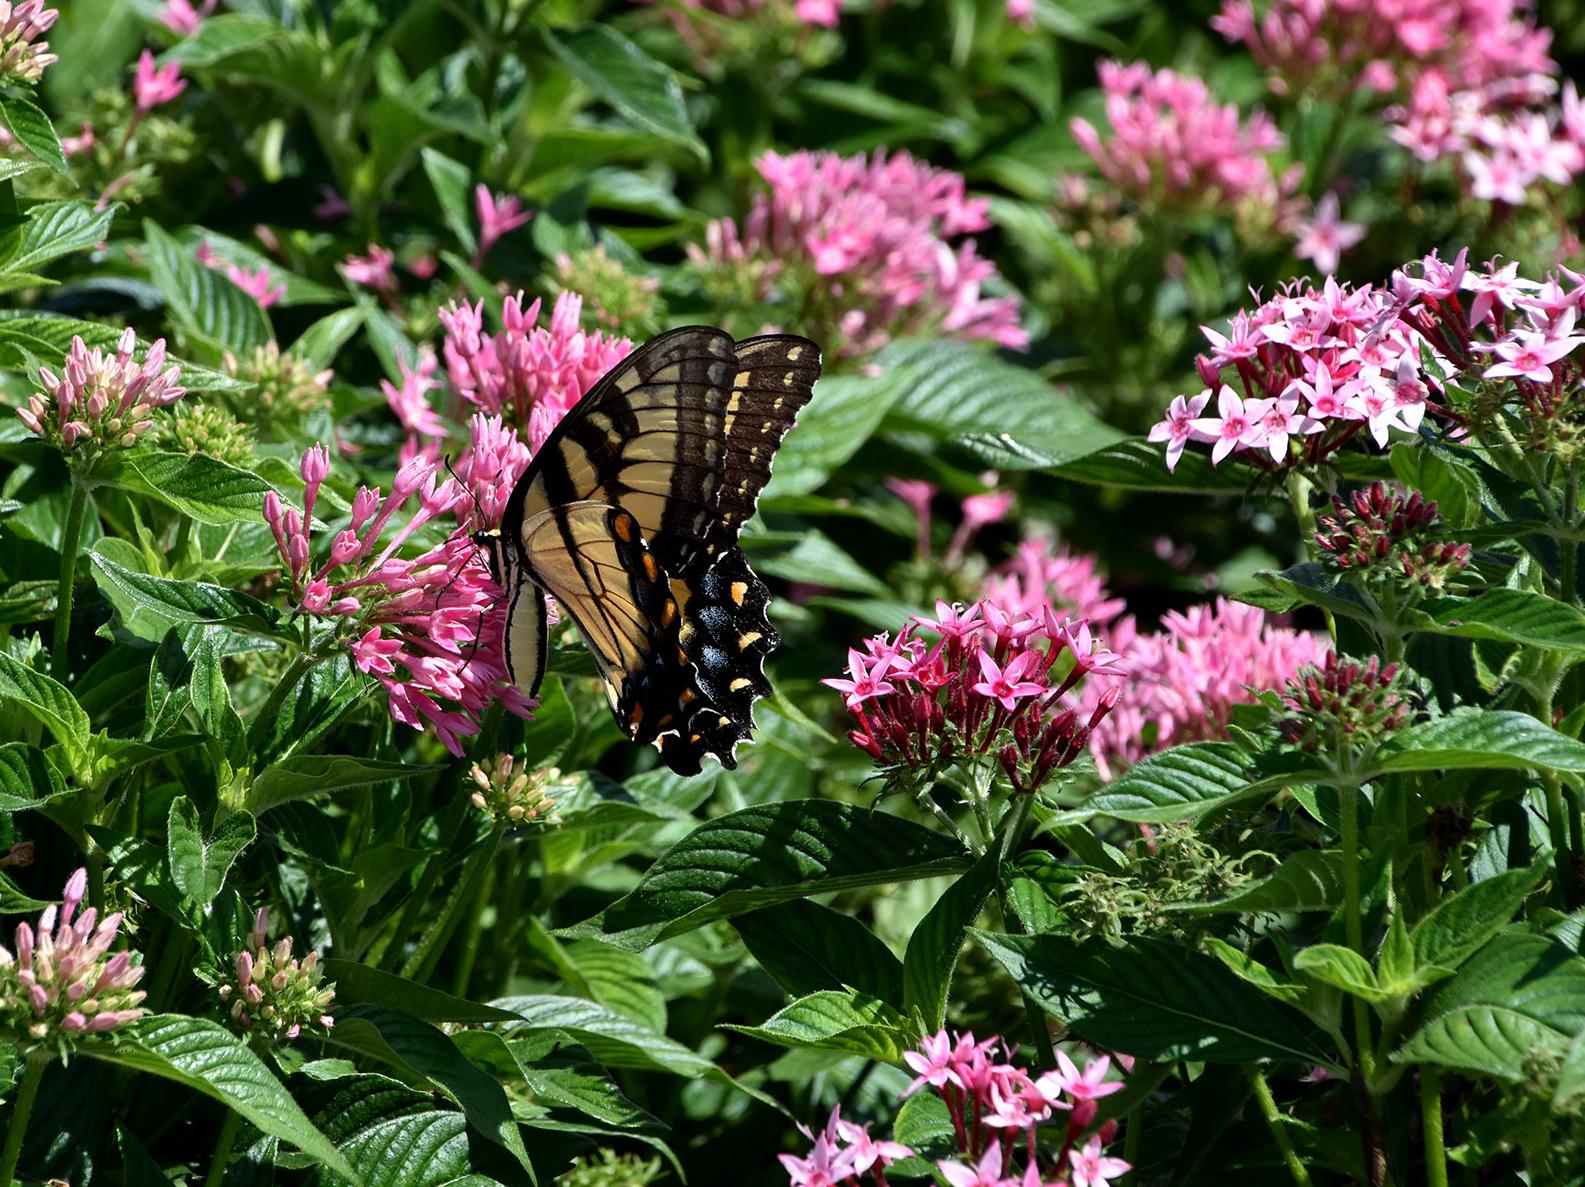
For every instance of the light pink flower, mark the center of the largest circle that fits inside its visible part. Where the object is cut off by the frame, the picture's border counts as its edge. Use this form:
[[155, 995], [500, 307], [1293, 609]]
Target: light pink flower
[[179, 16], [1527, 354], [373, 271], [153, 86], [1021, 12], [256, 284], [1324, 237], [1177, 428], [410, 401], [102, 400], [23, 59], [1007, 686], [1237, 424], [985, 1173], [498, 215], [869, 681], [1089, 1168]]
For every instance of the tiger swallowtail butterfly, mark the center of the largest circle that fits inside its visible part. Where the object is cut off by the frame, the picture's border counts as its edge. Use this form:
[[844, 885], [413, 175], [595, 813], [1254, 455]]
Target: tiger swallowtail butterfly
[[629, 514]]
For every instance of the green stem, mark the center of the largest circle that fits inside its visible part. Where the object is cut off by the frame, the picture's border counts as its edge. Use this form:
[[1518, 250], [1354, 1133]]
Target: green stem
[[1013, 825], [26, 1095], [1348, 803], [1431, 1127], [434, 940], [1568, 547], [71, 537], [264, 719], [1268, 1110], [228, 1135], [1557, 826], [475, 927]]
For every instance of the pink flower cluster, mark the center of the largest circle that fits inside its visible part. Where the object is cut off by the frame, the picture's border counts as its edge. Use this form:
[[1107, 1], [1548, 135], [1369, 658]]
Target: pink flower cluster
[[103, 401], [1172, 145], [823, 13], [153, 86], [498, 216], [1300, 376], [989, 684], [996, 1109], [62, 978], [422, 626], [1182, 680], [181, 18], [864, 243], [275, 993], [1186, 678], [22, 60], [1473, 78], [529, 374]]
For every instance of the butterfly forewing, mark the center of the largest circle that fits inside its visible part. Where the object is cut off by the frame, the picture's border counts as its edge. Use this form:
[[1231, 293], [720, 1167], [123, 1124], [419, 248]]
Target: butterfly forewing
[[650, 437]]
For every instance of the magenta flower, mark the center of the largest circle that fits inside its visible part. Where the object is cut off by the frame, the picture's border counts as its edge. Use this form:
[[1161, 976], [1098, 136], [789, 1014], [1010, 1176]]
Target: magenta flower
[[410, 402], [153, 86], [865, 243], [1324, 237], [868, 681], [1007, 686], [1177, 428], [62, 979], [933, 1062], [102, 401], [498, 215], [529, 374], [422, 626], [373, 271], [826, 1166], [256, 284], [1022, 13], [180, 17]]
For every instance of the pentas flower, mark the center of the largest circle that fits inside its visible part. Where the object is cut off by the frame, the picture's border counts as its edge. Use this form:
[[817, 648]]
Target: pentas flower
[[257, 283], [284, 386], [498, 215], [373, 271], [821, 13], [422, 625], [1300, 376], [1382, 532], [1185, 678], [997, 1110], [409, 402], [1325, 235], [62, 978], [1343, 703], [1171, 145], [101, 400], [1041, 571], [991, 682], [527, 373], [153, 86], [180, 17], [22, 59], [274, 993], [864, 246]]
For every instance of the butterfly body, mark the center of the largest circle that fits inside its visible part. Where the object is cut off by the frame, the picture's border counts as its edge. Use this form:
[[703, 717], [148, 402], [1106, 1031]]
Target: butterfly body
[[628, 515]]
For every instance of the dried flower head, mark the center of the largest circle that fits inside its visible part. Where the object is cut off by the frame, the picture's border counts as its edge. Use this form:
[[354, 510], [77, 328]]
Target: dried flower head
[[274, 993], [203, 426], [62, 979], [285, 387], [514, 797], [1345, 704], [102, 401]]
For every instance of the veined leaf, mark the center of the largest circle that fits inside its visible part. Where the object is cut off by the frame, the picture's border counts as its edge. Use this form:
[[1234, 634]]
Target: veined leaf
[[47, 337], [623, 75], [34, 131], [51, 704], [1309, 880], [27, 777], [55, 229], [203, 488], [1458, 926], [181, 601], [1480, 739], [933, 948], [807, 947], [199, 864], [841, 1020], [1508, 616], [300, 776]]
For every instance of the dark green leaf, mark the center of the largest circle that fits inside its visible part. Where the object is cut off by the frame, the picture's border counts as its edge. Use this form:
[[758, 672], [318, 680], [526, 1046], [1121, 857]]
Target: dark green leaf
[[199, 865], [27, 778], [1508, 616], [1178, 784], [34, 131], [55, 229], [807, 947], [933, 948], [619, 72], [841, 1020], [202, 488], [204, 300], [179, 601], [304, 775], [1480, 739], [360, 984], [1309, 880], [51, 704], [1459, 925]]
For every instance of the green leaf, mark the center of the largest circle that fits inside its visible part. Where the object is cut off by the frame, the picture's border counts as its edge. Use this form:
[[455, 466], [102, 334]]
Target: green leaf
[[1508, 616], [933, 949], [619, 980], [394, 1136], [51, 704], [201, 487], [302, 720], [1252, 972], [179, 601], [27, 778], [806, 947], [1343, 968], [1138, 464], [565, 1076], [203, 300], [1460, 925], [1309, 880], [301, 776], [841, 1020], [1013, 418], [619, 72], [209, 1059], [453, 187], [1519, 995], [28, 336], [221, 37], [1183, 783], [362, 984], [1152, 998], [199, 865], [841, 416], [319, 344], [1306, 584], [34, 131], [770, 854], [417, 1047], [14, 902], [55, 229], [1480, 739]]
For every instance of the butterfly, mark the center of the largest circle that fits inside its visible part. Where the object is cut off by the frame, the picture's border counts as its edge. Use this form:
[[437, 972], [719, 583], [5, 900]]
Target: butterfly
[[628, 515]]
